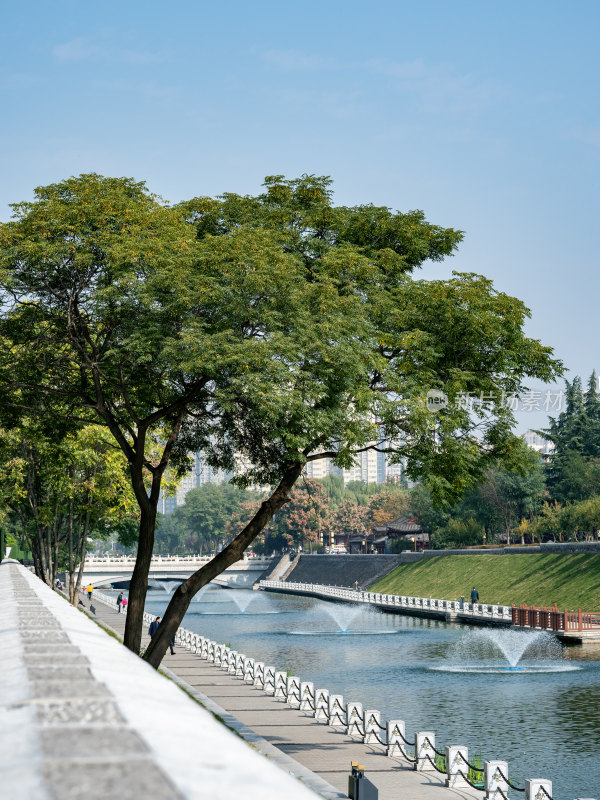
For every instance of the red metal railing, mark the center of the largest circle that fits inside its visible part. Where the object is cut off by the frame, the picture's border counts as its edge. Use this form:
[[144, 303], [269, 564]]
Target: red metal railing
[[551, 619]]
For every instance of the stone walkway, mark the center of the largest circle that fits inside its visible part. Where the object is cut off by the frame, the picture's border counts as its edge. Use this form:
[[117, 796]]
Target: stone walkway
[[316, 746]]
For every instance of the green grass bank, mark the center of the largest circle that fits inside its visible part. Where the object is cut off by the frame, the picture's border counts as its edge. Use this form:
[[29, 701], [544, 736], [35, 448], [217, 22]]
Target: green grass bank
[[540, 579]]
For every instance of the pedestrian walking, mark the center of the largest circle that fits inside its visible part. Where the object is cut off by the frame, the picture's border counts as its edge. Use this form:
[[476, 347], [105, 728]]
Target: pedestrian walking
[[119, 601], [153, 627], [124, 604], [172, 646], [474, 595], [90, 589]]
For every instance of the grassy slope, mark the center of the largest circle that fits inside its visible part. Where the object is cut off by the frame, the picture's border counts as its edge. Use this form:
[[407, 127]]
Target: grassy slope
[[539, 579]]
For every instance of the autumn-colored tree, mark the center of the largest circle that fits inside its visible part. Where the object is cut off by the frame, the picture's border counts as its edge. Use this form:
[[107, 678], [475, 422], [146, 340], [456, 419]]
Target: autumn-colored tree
[[387, 505], [304, 519], [350, 518]]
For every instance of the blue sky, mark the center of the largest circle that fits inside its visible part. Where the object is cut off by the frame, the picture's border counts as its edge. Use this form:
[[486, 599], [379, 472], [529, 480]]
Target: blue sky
[[485, 115]]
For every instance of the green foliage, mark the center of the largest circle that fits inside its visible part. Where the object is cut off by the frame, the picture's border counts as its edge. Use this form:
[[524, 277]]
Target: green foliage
[[494, 507], [334, 488], [305, 518], [458, 533], [571, 521], [203, 521], [400, 544], [388, 503], [60, 491]]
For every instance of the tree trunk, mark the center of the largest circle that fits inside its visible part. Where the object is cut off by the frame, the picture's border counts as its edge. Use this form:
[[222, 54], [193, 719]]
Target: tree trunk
[[82, 544], [71, 567], [138, 585], [55, 529], [43, 554], [183, 596]]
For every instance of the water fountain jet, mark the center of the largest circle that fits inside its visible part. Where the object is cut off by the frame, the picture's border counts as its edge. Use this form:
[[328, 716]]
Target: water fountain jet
[[242, 599], [494, 650], [342, 615]]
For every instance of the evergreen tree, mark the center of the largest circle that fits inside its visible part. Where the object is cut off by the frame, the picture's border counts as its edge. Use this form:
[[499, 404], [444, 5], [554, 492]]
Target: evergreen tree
[[572, 473]]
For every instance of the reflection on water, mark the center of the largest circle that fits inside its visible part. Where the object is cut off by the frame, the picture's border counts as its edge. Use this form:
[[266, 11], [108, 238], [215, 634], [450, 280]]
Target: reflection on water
[[578, 711], [542, 720]]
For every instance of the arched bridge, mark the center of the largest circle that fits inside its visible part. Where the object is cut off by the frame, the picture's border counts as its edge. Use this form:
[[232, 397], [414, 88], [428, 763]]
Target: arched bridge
[[102, 571]]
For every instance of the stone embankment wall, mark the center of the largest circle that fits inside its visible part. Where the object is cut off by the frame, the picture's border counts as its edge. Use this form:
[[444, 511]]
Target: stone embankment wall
[[343, 570]]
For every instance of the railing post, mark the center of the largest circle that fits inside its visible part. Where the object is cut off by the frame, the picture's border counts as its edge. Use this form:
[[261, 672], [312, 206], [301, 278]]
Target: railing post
[[322, 705], [307, 697], [456, 766], [371, 726], [580, 620], [280, 684], [248, 670], [396, 735], [259, 675], [269, 680], [534, 789], [354, 716], [495, 774], [424, 744], [337, 712], [238, 665], [293, 692], [231, 663]]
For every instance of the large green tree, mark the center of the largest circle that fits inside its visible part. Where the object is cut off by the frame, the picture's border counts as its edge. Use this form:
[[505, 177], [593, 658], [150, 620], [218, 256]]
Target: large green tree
[[279, 327]]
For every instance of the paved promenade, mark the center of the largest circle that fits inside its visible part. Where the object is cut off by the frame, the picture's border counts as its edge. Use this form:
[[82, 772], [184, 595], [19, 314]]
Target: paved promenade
[[315, 746], [81, 716]]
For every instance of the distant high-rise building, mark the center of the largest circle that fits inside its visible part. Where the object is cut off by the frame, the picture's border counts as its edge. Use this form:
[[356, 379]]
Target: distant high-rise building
[[365, 469], [321, 468], [200, 474]]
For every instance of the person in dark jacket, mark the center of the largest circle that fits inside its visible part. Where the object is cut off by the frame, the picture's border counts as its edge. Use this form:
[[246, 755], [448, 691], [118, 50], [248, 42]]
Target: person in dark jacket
[[474, 595], [119, 601], [153, 627]]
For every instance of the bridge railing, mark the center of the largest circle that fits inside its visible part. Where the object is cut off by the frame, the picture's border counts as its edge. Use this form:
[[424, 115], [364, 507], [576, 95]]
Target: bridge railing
[[552, 619], [107, 561]]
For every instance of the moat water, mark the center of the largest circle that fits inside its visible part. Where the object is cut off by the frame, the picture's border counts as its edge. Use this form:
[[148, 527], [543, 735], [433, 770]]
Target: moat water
[[522, 698]]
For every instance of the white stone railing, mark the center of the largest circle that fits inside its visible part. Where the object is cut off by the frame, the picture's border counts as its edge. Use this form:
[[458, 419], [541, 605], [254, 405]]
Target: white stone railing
[[476, 611], [107, 563], [94, 560]]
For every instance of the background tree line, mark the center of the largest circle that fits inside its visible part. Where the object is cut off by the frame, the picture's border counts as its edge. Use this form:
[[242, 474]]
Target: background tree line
[[539, 498], [554, 496], [316, 510]]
